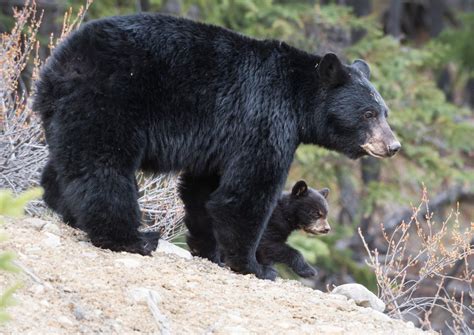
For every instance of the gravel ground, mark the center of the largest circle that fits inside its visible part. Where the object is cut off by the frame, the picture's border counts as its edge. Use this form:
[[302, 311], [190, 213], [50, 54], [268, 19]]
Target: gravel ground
[[72, 287]]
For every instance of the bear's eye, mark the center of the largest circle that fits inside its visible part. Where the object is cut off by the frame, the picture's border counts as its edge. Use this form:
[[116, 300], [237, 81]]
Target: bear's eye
[[369, 114]]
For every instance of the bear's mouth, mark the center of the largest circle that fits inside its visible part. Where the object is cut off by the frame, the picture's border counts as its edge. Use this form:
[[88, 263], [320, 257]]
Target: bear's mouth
[[320, 227], [374, 151]]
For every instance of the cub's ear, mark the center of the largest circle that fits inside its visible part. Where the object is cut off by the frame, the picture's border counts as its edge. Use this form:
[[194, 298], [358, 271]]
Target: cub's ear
[[331, 70], [299, 189], [363, 67], [324, 192]]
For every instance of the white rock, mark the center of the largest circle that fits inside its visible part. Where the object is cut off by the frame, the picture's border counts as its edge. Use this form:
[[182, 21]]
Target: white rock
[[381, 316], [64, 320], [142, 294], [170, 248], [410, 324], [79, 312], [51, 240], [330, 330], [36, 223], [51, 228], [37, 289], [128, 262], [89, 254], [361, 295]]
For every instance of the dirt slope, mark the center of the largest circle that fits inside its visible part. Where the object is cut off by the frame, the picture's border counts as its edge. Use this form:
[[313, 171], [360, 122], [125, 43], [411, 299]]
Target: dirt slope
[[73, 287]]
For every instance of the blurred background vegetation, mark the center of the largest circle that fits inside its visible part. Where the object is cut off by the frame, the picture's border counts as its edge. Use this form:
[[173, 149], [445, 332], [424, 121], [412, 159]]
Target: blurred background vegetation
[[421, 54]]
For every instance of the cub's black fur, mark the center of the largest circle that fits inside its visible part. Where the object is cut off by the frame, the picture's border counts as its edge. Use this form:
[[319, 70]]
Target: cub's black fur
[[304, 208], [166, 94]]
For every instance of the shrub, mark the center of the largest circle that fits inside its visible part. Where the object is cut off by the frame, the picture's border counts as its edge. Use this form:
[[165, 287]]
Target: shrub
[[425, 274]]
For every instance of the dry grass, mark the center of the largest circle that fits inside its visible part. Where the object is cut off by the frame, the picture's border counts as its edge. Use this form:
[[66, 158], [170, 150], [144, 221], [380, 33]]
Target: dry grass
[[23, 151], [425, 275]]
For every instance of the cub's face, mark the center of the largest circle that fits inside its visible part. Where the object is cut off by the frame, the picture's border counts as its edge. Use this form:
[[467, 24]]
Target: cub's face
[[311, 209], [355, 113]]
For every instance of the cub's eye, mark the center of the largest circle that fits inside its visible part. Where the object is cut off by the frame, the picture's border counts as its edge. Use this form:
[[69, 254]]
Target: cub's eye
[[369, 114]]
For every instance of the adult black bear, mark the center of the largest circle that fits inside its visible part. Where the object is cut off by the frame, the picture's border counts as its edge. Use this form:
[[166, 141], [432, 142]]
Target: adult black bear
[[302, 208], [165, 94]]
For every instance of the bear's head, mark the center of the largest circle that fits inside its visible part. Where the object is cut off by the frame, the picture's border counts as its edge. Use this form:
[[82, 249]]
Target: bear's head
[[353, 117], [310, 209]]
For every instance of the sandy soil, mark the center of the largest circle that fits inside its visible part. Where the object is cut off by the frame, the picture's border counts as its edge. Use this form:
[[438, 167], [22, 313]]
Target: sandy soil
[[73, 287]]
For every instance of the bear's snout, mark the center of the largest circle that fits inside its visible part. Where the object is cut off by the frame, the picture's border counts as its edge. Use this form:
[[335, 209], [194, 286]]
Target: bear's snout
[[382, 142], [319, 227]]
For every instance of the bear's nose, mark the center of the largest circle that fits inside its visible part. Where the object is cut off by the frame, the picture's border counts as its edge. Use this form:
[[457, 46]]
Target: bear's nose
[[394, 148], [325, 230]]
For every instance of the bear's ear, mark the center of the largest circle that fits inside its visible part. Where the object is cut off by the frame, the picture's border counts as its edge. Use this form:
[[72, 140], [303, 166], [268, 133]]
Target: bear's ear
[[299, 189], [331, 70], [363, 67], [324, 192]]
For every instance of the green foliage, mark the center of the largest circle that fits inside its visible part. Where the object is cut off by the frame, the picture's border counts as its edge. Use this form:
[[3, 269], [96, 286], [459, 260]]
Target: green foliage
[[101, 8], [11, 206], [14, 207], [259, 18], [459, 43]]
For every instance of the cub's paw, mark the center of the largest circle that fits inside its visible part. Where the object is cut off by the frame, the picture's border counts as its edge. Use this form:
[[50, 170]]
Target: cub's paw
[[260, 271], [267, 272], [306, 271]]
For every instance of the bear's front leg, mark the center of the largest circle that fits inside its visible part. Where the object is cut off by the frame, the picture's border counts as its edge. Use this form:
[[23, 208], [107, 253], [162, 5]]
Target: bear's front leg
[[240, 209], [283, 253]]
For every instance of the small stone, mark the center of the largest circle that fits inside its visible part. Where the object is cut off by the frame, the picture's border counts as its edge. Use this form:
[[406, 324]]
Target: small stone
[[283, 324], [338, 297], [234, 330], [141, 294], [410, 324], [89, 254], [128, 262], [37, 289], [51, 228], [169, 248], [51, 240], [330, 330], [381, 316], [78, 312], [65, 321], [33, 250], [38, 224], [361, 295]]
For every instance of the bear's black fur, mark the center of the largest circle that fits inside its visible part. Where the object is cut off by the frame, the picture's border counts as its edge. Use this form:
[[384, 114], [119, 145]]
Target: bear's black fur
[[165, 94], [302, 208]]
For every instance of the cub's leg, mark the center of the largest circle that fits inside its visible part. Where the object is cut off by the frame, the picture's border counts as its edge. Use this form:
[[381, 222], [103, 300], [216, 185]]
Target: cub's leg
[[283, 253], [195, 192]]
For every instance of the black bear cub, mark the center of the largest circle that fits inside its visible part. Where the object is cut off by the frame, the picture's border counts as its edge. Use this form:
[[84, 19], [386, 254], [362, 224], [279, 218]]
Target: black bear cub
[[302, 208]]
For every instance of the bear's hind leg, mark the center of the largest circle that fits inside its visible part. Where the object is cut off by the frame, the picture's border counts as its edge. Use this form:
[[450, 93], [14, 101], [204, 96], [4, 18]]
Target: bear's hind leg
[[194, 192], [53, 197], [106, 207]]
